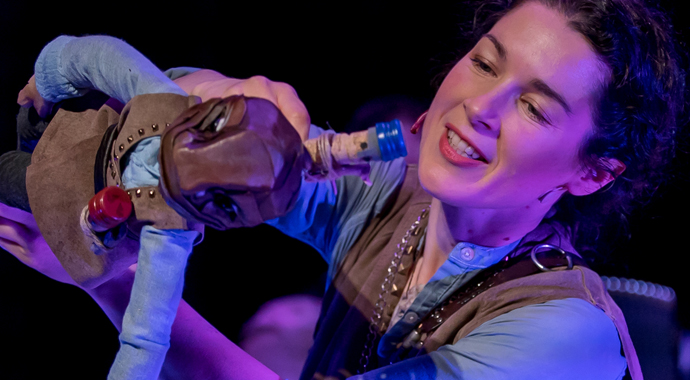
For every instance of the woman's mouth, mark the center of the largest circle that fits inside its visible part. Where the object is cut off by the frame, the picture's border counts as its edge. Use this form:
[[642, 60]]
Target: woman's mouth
[[459, 151], [461, 146]]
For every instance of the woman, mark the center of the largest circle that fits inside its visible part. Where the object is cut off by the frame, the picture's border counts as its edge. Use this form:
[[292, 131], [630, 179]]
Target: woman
[[556, 100]]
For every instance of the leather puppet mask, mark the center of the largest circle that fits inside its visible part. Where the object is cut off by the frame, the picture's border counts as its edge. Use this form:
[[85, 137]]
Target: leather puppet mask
[[233, 162]]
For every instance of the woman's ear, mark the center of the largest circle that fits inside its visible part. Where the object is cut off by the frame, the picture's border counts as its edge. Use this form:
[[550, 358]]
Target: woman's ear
[[594, 178]]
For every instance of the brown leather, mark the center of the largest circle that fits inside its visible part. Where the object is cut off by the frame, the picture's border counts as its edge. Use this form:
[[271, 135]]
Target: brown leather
[[233, 162], [60, 181], [150, 207], [505, 270]]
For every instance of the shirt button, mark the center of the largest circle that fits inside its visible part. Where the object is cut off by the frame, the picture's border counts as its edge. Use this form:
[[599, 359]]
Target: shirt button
[[411, 317], [467, 253]]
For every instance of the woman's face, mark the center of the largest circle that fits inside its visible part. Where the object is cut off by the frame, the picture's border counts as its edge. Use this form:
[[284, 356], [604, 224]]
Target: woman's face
[[508, 121]]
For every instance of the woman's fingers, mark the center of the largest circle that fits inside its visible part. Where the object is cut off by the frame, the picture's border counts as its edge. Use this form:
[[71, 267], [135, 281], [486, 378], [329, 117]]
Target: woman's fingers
[[293, 108], [29, 96], [20, 236], [13, 239], [281, 94]]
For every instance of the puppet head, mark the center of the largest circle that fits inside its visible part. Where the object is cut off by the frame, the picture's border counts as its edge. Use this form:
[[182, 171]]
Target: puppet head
[[233, 162]]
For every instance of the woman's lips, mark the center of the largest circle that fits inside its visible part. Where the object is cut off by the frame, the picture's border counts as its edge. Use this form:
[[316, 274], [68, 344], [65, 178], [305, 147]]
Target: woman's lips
[[454, 157]]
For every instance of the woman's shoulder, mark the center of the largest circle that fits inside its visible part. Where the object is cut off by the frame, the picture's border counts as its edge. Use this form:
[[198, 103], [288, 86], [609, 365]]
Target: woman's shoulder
[[557, 337]]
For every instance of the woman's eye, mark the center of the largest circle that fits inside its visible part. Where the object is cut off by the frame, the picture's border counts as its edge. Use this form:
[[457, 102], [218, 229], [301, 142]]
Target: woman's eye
[[534, 113], [482, 66]]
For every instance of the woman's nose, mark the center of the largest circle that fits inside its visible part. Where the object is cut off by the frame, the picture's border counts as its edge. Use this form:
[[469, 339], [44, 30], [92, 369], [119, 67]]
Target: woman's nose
[[483, 112]]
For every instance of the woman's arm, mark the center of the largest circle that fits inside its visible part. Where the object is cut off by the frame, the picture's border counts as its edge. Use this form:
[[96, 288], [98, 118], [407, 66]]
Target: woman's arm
[[197, 351]]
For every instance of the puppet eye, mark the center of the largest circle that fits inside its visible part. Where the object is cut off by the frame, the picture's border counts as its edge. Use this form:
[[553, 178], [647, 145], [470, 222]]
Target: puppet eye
[[226, 204], [219, 123]]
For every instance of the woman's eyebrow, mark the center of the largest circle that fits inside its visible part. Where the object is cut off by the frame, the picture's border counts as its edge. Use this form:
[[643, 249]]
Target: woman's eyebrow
[[538, 84], [544, 88], [498, 45]]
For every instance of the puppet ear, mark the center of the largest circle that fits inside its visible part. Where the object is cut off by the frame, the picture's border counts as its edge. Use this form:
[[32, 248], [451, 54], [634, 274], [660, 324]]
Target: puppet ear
[[593, 179]]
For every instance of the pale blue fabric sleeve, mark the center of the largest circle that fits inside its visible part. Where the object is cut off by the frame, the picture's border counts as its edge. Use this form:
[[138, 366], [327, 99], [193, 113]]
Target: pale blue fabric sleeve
[[567, 339], [142, 168], [156, 294], [330, 220], [69, 66]]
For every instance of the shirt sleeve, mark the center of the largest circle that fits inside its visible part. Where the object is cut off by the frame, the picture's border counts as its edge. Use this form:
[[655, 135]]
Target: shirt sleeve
[[156, 294], [330, 218], [567, 339], [69, 66]]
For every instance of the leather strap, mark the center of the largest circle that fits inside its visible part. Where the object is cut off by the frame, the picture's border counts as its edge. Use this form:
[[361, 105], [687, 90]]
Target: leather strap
[[499, 273]]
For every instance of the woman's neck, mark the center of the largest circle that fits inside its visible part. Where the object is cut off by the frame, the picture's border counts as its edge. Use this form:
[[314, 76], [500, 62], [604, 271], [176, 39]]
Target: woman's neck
[[449, 225]]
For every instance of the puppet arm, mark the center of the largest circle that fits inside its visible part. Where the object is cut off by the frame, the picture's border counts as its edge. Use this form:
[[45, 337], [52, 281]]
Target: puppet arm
[[197, 349], [69, 66]]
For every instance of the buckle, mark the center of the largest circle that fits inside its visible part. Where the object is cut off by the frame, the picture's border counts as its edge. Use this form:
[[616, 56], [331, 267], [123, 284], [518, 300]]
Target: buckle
[[545, 247]]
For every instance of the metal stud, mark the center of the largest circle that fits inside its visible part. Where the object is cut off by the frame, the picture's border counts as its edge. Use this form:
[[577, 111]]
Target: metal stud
[[138, 193], [167, 125], [112, 174], [130, 194], [116, 157], [122, 147], [154, 127], [141, 132], [152, 193], [130, 139], [112, 166]]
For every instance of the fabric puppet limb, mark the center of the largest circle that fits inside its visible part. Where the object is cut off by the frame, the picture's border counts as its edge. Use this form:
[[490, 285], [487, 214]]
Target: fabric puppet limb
[[155, 297], [69, 66]]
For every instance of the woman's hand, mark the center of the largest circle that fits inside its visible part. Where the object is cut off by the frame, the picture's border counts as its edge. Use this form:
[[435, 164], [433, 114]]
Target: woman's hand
[[209, 84], [19, 235], [29, 96]]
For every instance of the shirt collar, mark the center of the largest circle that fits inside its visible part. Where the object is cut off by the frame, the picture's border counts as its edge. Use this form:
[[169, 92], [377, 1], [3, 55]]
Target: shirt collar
[[466, 257]]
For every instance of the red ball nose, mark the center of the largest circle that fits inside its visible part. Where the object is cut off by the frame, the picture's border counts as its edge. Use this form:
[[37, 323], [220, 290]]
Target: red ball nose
[[110, 207]]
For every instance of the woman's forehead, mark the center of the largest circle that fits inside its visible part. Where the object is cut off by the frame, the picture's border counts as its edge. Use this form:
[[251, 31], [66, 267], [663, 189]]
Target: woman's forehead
[[539, 44]]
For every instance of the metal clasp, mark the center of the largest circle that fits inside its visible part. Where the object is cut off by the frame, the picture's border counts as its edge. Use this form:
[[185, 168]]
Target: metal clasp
[[543, 247]]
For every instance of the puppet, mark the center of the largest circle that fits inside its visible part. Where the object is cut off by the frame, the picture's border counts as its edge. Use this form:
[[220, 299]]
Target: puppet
[[111, 188]]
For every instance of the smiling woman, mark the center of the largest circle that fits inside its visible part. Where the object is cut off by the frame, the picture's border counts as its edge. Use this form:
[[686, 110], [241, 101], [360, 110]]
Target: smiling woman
[[522, 100], [557, 101]]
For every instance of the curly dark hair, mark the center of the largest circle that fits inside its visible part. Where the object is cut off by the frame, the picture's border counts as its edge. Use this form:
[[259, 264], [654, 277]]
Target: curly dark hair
[[637, 114]]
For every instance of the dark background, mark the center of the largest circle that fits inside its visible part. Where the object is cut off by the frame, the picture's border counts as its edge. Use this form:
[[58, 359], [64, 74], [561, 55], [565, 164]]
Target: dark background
[[337, 56]]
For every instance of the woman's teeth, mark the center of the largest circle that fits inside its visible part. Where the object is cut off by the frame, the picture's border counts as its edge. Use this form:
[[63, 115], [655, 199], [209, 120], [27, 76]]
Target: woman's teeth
[[461, 146]]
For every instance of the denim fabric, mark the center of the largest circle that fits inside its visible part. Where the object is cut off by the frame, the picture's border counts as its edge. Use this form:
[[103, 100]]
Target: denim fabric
[[329, 218], [566, 339], [156, 294], [142, 168], [68, 66]]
